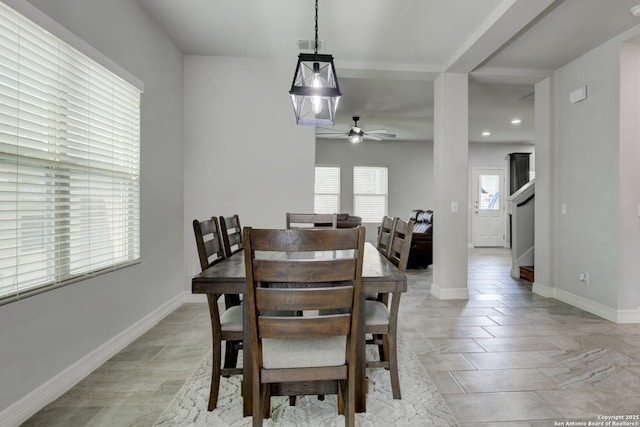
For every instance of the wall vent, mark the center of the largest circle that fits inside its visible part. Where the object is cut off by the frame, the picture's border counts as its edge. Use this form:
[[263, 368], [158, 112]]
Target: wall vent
[[309, 45]]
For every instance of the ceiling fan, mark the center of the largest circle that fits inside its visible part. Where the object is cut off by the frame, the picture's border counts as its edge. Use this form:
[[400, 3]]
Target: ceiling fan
[[357, 134]]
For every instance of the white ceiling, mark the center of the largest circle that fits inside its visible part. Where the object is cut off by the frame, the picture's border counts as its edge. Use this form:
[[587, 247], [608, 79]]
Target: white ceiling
[[387, 52]]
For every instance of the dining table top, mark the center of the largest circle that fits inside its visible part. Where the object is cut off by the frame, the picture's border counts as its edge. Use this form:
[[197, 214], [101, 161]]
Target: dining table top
[[378, 273]]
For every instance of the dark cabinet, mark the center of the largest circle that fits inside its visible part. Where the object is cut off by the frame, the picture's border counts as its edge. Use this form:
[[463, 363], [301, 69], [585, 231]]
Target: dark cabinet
[[518, 171]]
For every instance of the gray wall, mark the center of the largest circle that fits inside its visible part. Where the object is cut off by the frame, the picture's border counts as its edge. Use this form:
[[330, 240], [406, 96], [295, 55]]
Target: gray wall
[[243, 151], [597, 176], [44, 334]]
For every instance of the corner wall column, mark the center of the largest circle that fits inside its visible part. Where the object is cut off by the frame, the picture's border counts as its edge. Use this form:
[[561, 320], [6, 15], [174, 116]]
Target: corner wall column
[[545, 176], [451, 158]]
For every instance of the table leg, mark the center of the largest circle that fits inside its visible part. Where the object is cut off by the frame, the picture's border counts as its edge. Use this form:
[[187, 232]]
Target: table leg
[[247, 406], [361, 364]]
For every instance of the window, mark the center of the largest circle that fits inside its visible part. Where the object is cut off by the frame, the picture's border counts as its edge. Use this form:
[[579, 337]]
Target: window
[[370, 192], [327, 190], [69, 163]]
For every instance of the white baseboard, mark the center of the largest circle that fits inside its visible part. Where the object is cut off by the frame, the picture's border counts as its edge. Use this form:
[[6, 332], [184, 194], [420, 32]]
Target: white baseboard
[[543, 290], [449, 293], [587, 305], [30, 404], [628, 316], [609, 313], [189, 297]]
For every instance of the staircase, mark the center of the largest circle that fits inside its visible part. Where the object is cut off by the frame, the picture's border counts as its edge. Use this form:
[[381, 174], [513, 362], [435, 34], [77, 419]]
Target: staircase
[[521, 207], [526, 272]]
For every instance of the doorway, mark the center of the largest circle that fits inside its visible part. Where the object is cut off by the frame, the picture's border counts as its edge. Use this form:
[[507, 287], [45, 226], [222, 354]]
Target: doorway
[[488, 207]]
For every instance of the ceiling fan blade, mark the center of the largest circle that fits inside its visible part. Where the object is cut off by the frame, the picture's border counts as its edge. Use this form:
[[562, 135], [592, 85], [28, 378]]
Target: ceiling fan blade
[[372, 137], [332, 135], [386, 135], [380, 136]]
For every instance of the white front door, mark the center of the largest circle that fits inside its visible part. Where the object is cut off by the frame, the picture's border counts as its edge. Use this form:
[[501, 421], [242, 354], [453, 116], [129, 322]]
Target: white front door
[[488, 207]]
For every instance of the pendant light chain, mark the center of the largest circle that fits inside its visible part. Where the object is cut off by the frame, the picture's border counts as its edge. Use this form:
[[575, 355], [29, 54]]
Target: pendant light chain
[[316, 45]]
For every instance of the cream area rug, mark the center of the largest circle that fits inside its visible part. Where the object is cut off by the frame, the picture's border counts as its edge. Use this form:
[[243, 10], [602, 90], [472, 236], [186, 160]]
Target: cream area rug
[[421, 404]]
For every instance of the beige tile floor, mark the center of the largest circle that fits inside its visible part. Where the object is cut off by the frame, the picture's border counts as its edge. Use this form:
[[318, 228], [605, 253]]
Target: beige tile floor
[[505, 357]]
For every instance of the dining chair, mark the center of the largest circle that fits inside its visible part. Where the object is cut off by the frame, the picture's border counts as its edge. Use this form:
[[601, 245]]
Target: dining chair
[[381, 314], [311, 220], [226, 325], [384, 235], [231, 234], [305, 352]]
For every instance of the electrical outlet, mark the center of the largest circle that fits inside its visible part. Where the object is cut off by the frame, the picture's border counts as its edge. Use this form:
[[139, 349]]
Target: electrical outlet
[[584, 277]]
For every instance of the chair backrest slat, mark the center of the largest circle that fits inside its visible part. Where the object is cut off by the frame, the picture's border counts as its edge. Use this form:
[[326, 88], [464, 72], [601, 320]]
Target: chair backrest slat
[[292, 241], [208, 242], [400, 243], [311, 220], [300, 328], [211, 250], [303, 299], [294, 271], [231, 234], [384, 235]]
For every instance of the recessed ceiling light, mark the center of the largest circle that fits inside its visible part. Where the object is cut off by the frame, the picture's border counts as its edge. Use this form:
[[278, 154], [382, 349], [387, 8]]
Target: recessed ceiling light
[[516, 121], [635, 10], [486, 133]]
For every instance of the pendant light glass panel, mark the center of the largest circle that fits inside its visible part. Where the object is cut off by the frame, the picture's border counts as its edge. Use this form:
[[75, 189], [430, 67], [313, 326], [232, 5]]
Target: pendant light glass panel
[[315, 93]]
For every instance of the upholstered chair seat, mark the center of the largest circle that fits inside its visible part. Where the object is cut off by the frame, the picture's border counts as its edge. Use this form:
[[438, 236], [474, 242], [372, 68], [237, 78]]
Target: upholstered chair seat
[[231, 319], [304, 353], [376, 312]]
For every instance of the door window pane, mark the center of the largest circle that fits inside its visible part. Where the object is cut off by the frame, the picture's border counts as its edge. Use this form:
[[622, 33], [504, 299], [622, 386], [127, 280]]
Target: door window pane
[[489, 197]]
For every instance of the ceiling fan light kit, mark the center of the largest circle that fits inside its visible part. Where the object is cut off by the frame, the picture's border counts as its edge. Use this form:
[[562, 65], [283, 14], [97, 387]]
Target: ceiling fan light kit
[[315, 92], [356, 137]]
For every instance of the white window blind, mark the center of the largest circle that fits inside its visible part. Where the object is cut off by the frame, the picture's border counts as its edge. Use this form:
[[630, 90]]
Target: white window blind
[[69, 163], [370, 192], [327, 190]]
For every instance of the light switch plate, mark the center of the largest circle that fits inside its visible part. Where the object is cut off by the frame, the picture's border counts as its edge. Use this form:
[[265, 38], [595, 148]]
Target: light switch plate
[[454, 206], [578, 95]]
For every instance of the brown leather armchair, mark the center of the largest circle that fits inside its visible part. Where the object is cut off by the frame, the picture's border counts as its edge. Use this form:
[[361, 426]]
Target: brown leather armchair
[[344, 220], [421, 253], [348, 221]]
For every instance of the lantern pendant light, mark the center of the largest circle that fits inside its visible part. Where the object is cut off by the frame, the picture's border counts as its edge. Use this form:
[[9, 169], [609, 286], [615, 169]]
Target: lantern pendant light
[[315, 92]]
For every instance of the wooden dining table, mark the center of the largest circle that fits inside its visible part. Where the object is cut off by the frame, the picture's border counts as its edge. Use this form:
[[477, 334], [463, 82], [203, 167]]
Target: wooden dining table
[[379, 275]]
